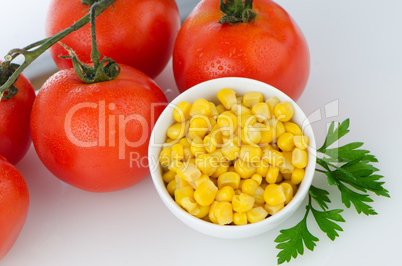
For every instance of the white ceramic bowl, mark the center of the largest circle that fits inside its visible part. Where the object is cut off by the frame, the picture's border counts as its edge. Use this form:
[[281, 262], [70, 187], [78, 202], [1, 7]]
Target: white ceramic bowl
[[208, 90]]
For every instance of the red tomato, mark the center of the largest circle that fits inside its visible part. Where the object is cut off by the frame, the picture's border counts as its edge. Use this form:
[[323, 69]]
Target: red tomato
[[95, 136], [272, 49], [14, 203], [15, 138], [140, 34]]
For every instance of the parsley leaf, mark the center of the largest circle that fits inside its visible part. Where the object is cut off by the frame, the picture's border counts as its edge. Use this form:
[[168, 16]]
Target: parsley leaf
[[293, 240], [320, 196], [351, 170], [334, 135], [357, 199], [324, 220]]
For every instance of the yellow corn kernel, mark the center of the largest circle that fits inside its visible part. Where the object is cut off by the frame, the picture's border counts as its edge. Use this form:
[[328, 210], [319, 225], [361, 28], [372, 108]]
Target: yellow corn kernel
[[242, 202], [199, 126], [214, 110], [171, 187], [230, 150], [273, 209], [225, 194], [212, 122], [211, 214], [217, 136], [227, 122], [222, 168], [294, 187], [221, 108], [256, 214], [165, 157], [196, 183], [189, 204], [223, 212], [205, 193], [292, 128], [177, 152], [176, 131], [301, 142], [261, 111], [200, 211], [244, 169], [285, 142], [261, 168], [297, 176], [169, 143], [249, 153], [240, 110], [274, 194], [189, 172], [231, 179], [284, 111], [247, 120], [239, 218], [299, 158], [287, 167], [259, 195], [206, 163], [187, 154], [272, 102], [175, 166], [185, 142], [200, 107], [250, 135], [249, 186], [183, 192], [209, 143], [252, 98], [197, 147], [288, 191], [273, 157], [268, 147], [227, 97], [217, 159], [266, 133], [257, 178], [168, 176], [272, 175], [239, 99], [180, 183], [277, 129], [181, 111]]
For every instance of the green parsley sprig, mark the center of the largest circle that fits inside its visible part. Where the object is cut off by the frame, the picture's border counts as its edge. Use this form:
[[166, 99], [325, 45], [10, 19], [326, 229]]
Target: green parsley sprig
[[351, 170]]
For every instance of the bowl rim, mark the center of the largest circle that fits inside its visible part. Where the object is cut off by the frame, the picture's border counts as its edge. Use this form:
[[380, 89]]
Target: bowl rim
[[215, 229]]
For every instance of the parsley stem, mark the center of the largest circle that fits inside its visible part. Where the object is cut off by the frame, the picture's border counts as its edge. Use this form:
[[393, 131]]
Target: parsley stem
[[321, 171]]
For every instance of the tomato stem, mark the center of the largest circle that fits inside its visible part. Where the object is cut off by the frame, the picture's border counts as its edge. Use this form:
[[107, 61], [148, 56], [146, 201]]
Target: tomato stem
[[237, 11], [102, 70], [41, 46], [89, 2]]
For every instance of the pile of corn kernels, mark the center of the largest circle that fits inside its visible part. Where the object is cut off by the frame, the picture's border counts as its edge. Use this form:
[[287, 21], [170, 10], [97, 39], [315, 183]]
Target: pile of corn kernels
[[236, 162]]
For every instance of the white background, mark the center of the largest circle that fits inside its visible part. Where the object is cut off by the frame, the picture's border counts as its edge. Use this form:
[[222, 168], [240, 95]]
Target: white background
[[356, 71]]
